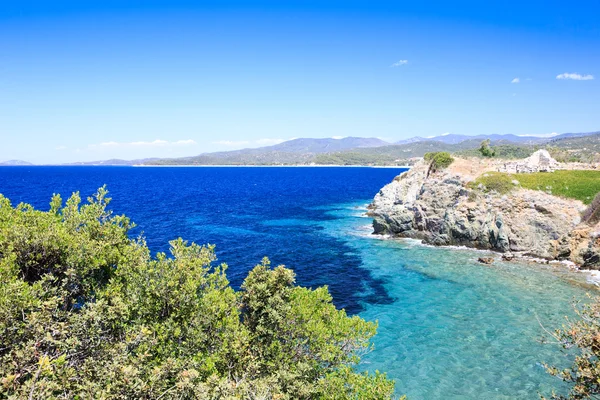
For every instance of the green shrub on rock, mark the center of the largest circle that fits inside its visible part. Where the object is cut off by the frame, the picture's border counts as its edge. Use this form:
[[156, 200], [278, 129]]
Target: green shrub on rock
[[438, 160], [494, 182], [86, 312]]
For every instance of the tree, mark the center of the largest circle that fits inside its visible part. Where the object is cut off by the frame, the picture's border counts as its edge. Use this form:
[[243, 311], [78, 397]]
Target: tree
[[86, 312], [438, 161], [486, 150]]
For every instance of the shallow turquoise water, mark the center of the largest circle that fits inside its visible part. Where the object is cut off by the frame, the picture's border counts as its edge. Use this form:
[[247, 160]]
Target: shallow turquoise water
[[457, 329]]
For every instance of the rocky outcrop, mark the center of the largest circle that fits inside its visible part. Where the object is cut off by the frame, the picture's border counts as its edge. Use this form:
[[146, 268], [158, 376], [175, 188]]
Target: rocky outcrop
[[441, 209], [540, 161]]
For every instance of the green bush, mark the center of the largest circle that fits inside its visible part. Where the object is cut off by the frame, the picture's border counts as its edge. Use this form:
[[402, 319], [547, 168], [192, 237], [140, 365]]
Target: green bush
[[438, 161], [486, 150], [429, 156], [86, 312], [494, 182], [501, 151]]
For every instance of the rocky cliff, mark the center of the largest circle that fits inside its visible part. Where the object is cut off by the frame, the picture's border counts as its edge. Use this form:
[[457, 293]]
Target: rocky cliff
[[441, 209]]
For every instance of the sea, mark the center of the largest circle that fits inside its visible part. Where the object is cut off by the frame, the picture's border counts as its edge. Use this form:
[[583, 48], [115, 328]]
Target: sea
[[449, 327]]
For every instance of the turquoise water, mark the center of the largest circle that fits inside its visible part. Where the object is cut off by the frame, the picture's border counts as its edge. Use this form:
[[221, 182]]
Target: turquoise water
[[457, 329]]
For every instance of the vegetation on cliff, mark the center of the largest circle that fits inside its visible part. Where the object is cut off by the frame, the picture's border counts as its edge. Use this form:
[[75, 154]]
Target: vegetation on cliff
[[86, 312], [438, 160], [575, 184]]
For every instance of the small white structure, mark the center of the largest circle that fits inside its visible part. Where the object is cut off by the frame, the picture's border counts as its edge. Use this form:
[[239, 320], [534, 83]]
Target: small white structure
[[540, 161]]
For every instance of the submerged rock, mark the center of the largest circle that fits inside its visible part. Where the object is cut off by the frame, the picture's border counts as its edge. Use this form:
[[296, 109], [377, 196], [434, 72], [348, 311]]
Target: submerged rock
[[441, 209], [508, 257], [485, 260]]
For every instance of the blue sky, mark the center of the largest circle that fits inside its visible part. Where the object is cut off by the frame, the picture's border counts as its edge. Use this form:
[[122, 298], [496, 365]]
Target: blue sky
[[109, 79]]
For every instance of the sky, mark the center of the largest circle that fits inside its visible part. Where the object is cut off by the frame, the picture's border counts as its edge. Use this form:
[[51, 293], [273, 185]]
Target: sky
[[94, 80]]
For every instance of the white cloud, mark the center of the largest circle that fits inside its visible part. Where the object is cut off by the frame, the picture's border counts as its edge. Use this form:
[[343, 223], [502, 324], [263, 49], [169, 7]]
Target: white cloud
[[575, 76], [542, 135], [251, 143], [60, 148], [399, 63], [188, 141], [154, 143], [338, 137], [267, 141], [232, 143], [516, 80]]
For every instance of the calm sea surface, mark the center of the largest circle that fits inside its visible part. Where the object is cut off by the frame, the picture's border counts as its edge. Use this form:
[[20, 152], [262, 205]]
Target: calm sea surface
[[449, 328]]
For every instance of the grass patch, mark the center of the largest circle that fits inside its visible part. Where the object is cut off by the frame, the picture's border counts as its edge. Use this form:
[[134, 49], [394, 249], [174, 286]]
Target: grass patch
[[580, 185]]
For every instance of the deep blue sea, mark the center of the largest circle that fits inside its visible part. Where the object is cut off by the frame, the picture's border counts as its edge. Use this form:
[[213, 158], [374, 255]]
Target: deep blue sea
[[449, 328]]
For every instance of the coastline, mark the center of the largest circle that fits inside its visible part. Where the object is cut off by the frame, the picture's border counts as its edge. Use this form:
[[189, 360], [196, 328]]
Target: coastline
[[592, 277], [444, 209]]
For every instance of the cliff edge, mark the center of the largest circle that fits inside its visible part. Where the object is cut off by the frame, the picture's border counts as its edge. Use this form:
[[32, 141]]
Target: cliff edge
[[441, 208]]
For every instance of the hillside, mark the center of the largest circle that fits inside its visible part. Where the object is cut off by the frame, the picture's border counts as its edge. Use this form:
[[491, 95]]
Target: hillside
[[573, 147]]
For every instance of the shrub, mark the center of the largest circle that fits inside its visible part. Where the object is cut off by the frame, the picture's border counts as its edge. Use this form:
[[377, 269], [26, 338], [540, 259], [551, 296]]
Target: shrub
[[429, 156], [486, 150], [494, 182], [86, 312], [438, 160]]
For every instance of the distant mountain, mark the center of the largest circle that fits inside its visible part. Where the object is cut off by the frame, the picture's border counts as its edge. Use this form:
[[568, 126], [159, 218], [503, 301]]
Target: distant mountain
[[15, 162], [455, 139], [295, 151], [503, 139], [115, 162], [414, 139], [316, 146], [357, 151], [574, 135]]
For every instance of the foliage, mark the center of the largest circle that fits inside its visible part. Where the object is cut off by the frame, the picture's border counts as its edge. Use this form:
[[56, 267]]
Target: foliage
[[486, 150], [585, 149], [575, 184], [438, 161], [86, 312], [582, 337], [494, 182], [429, 156], [502, 151], [582, 155], [356, 158]]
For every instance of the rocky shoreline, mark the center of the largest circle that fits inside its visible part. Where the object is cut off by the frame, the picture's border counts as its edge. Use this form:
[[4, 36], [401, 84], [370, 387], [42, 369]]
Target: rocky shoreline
[[441, 209]]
